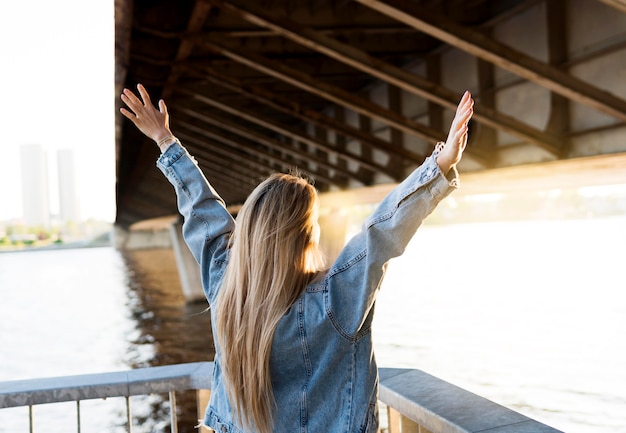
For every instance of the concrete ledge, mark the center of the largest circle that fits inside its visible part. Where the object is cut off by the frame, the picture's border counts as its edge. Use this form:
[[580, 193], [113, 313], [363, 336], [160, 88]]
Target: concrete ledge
[[442, 407], [150, 380]]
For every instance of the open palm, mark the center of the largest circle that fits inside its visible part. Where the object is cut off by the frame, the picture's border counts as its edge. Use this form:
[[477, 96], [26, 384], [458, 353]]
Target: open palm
[[455, 144]]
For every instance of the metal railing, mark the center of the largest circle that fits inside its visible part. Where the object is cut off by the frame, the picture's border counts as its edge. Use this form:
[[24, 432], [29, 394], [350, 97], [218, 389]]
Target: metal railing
[[415, 402]]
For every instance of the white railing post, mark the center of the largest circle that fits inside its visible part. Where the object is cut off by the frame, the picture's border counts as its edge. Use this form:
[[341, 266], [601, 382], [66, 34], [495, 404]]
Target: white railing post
[[173, 418], [78, 416], [398, 423], [129, 416], [202, 401]]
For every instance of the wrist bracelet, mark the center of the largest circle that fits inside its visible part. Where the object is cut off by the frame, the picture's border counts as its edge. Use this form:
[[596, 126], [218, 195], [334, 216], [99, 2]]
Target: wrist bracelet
[[167, 140], [439, 147]]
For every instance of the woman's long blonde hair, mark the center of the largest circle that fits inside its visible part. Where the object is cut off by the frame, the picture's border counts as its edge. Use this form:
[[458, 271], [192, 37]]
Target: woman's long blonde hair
[[274, 255]]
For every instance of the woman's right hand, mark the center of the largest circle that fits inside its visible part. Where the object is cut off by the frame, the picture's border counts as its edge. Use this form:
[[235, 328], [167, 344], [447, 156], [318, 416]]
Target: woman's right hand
[[452, 151], [152, 122]]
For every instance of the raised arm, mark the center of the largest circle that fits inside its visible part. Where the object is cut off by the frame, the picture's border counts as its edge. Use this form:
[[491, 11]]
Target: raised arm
[[355, 277], [207, 224]]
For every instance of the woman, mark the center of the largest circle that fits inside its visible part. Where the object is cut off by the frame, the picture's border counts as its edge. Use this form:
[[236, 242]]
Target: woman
[[293, 343]]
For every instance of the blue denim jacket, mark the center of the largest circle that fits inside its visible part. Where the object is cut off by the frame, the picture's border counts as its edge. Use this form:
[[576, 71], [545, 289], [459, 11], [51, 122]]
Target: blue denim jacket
[[322, 364]]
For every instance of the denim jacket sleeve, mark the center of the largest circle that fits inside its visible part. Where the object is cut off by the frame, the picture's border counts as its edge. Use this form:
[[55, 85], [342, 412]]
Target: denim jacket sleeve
[[355, 277], [207, 224]]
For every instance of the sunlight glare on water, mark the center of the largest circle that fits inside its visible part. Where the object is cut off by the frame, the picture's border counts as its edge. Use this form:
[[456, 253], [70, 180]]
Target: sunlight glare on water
[[531, 315], [63, 313]]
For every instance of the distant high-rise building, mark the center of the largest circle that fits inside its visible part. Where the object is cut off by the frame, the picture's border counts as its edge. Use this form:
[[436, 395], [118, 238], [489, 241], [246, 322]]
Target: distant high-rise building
[[68, 199], [35, 190]]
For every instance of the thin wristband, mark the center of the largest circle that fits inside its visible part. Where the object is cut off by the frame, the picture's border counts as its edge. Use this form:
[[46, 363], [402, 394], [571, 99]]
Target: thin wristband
[[170, 139], [438, 147]]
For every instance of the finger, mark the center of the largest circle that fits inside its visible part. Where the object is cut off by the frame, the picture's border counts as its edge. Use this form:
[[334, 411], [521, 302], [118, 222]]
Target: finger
[[463, 112], [464, 117], [463, 101], [128, 114], [467, 116], [144, 94], [463, 141], [460, 121], [162, 107], [467, 104], [131, 96], [129, 105], [459, 134], [470, 105], [131, 100]]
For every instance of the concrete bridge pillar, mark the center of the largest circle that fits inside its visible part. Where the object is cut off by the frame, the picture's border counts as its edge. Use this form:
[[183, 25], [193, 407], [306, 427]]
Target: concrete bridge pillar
[[188, 268], [333, 230], [119, 236], [160, 233]]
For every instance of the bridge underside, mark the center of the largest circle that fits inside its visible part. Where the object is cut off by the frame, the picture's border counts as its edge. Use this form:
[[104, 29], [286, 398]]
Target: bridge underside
[[356, 93]]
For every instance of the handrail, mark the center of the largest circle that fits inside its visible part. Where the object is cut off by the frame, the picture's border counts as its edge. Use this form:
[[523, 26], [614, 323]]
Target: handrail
[[150, 380], [412, 397], [440, 406]]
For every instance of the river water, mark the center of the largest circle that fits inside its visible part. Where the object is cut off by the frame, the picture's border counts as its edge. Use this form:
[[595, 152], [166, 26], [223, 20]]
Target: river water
[[530, 314]]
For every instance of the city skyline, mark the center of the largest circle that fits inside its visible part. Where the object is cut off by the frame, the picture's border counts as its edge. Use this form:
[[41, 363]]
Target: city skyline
[[45, 202], [59, 92], [35, 185], [69, 204]]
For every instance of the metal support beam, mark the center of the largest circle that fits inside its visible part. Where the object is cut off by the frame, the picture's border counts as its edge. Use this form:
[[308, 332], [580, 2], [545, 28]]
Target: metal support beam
[[620, 5], [317, 143], [332, 93], [389, 73], [198, 17], [234, 157], [317, 118], [556, 17], [249, 134], [477, 44]]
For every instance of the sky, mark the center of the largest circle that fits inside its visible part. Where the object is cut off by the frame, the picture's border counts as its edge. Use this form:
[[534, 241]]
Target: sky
[[57, 89]]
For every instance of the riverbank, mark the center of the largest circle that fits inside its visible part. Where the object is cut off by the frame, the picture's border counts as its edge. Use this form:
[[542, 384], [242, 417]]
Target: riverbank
[[103, 240]]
